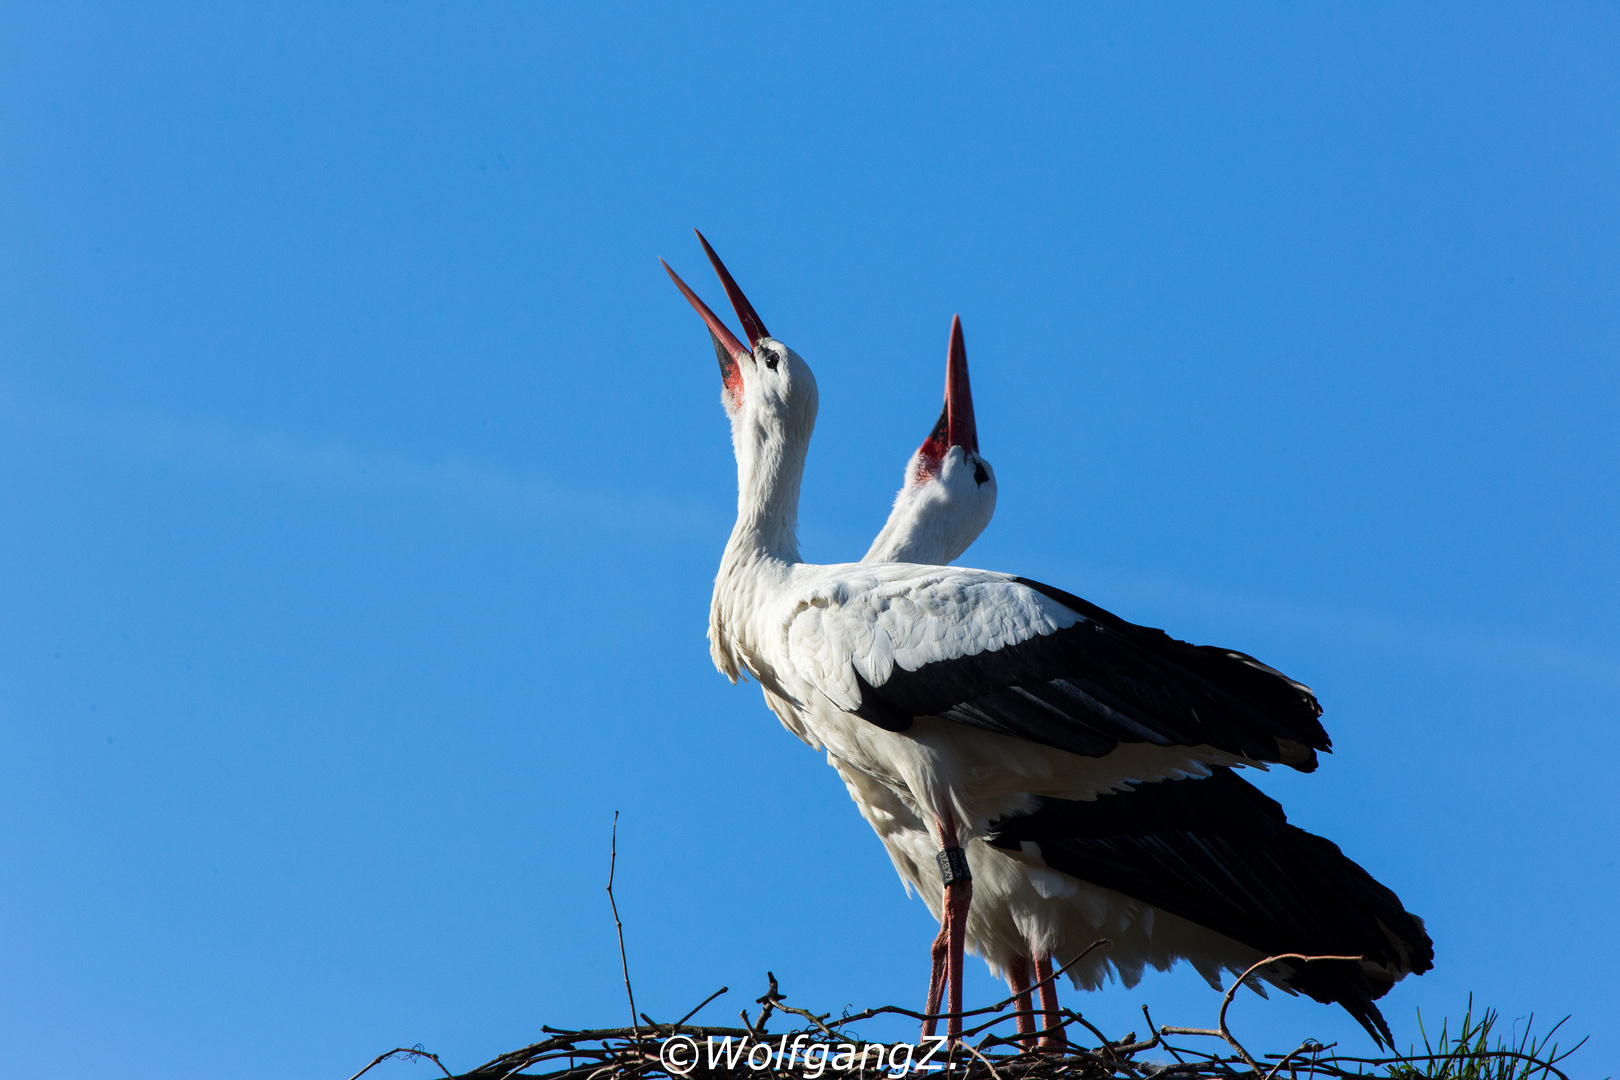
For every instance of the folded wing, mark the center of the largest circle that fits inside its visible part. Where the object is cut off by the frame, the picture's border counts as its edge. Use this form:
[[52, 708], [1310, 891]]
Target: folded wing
[[1035, 663], [1220, 854]]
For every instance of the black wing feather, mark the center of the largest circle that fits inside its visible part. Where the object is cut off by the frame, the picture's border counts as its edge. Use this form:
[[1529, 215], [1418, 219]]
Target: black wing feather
[[1105, 681], [1220, 854]]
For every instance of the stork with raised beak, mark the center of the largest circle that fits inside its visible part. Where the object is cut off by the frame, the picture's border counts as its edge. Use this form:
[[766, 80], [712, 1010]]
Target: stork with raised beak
[[1011, 717]]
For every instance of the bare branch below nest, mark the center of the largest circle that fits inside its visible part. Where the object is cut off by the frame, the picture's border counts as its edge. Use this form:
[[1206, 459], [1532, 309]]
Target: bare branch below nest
[[613, 864]]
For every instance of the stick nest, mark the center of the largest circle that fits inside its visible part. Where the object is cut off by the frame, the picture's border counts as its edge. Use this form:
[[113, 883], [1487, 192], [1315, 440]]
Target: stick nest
[[991, 1050]]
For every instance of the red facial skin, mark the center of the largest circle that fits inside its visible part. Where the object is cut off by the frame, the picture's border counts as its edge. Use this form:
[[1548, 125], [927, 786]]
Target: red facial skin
[[727, 348], [931, 455]]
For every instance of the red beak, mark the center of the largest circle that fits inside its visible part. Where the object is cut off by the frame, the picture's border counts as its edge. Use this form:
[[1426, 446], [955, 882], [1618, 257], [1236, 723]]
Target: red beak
[[961, 430], [727, 348], [955, 426], [752, 324]]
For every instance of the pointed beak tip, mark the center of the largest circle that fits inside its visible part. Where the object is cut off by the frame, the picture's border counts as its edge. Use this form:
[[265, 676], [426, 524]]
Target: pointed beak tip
[[753, 325], [959, 393], [721, 333]]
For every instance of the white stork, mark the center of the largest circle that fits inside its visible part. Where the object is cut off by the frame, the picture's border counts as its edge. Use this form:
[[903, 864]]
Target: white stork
[[948, 494], [996, 710]]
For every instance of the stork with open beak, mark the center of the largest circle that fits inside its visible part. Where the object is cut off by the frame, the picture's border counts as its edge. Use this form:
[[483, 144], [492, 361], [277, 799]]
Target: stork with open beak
[[1094, 756]]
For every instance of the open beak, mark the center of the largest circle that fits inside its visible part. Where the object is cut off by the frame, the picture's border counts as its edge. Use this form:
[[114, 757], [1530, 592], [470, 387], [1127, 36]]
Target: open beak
[[960, 429], [752, 324], [955, 425], [727, 349]]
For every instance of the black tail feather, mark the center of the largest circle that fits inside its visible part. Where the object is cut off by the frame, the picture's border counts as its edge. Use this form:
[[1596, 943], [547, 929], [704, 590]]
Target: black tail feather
[[1219, 853]]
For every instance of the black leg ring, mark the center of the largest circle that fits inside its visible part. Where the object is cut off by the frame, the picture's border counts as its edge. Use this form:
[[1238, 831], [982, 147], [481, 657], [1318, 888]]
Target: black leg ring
[[953, 866]]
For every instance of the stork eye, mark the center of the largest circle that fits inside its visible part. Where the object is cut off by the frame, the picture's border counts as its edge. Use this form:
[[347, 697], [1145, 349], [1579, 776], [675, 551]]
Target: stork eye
[[979, 475], [771, 359]]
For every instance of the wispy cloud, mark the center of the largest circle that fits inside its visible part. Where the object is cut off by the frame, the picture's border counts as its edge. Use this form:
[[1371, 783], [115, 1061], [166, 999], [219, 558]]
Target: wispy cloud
[[1451, 645], [270, 455], [221, 448]]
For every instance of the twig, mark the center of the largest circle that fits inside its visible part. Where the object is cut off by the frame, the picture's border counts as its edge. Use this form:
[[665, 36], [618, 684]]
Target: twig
[[414, 1051], [1130, 1048], [1310, 1045], [997, 1007], [988, 1024], [700, 1005], [620, 1053], [772, 998], [1223, 1031], [613, 864], [969, 1048], [768, 1000], [1107, 1043], [814, 1019]]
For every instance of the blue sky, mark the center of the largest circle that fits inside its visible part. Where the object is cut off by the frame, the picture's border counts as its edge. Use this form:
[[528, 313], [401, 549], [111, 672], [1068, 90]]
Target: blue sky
[[364, 479]]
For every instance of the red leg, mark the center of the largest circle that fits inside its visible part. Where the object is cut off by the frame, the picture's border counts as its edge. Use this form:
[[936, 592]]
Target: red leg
[[958, 882], [1018, 982], [958, 896], [1049, 1004], [936, 980]]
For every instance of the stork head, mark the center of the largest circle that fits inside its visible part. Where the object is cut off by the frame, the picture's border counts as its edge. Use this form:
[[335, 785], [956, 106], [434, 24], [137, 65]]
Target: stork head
[[950, 490], [766, 389], [769, 395]]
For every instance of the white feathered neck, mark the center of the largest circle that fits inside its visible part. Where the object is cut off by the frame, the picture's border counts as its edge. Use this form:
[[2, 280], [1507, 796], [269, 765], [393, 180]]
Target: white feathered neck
[[770, 435]]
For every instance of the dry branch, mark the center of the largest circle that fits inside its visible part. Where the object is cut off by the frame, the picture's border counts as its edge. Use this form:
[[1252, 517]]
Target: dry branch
[[613, 864], [627, 1054]]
